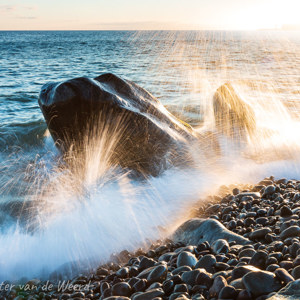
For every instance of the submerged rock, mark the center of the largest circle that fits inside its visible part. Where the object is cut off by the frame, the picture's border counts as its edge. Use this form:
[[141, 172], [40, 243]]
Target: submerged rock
[[234, 117]]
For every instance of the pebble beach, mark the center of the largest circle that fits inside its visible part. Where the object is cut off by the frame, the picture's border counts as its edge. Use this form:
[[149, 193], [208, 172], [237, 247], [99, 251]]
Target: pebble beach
[[240, 244]]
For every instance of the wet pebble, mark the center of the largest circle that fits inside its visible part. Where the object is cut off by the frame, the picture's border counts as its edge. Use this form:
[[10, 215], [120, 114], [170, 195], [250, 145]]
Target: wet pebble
[[186, 259], [228, 292], [220, 246], [261, 282], [207, 262], [218, 284], [149, 295], [190, 277], [293, 231]]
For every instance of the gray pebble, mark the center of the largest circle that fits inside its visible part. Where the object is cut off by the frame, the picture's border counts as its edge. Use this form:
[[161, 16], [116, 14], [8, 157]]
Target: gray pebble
[[292, 231], [259, 233], [149, 295], [190, 277], [121, 289], [218, 284], [186, 259], [158, 274], [261, 282], [207, 262], [220, 246]]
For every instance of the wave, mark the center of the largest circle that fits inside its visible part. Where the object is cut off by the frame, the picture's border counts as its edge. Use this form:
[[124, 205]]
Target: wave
[[22, 135]]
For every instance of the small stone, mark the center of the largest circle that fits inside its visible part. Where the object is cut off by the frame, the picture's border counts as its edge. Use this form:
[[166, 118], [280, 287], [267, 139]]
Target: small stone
[[228, 292], [292, 231], [244, 295], [207, 262], [283, 275], [158, 274], [286, 264], [285, 211], [181, 269], [221, 266], [262, 220], [249, 221], [102, 271], [237, 284], [218, 284], [254, 195], [247, 253], [154, 285], [235, 191], [296, 272], [269, 190], [144, 274], [220, 246], [180, 295], [121, 289], [204, 278], [190, 277], [166, 256], [259, 259], [168, 286], [123, 272], [296, 261], [149, 295], [239, 272], [140, 285], [261, 282], [104, 286], [146, 263], [259, 233], [272, 268], [186, 259], [231, 225], [294, 248], [180, 288]]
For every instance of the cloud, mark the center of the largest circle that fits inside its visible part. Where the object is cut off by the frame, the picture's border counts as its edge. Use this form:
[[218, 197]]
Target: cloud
[[26, 17], [17, 11], [7, 8], [28, 7]]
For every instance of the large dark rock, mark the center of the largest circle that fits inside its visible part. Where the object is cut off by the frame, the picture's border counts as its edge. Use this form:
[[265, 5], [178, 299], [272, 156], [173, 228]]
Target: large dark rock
[[196, 231], [134, 128]]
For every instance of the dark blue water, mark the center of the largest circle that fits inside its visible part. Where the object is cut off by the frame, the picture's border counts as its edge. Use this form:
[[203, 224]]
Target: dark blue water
[[179, 68]]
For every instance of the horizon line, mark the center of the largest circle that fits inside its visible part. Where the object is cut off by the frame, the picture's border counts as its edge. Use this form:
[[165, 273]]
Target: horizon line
[[208, 29]]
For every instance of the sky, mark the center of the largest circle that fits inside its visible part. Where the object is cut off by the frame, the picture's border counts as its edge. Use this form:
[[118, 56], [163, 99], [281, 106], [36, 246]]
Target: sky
[[148, 14]]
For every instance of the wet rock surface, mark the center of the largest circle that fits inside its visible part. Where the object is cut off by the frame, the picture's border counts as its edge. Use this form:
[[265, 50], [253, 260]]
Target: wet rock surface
[[82, 107], [248, 248]]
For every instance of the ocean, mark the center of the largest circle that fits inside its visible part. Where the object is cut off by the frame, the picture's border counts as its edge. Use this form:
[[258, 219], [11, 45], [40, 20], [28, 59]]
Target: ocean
[[45, 223]]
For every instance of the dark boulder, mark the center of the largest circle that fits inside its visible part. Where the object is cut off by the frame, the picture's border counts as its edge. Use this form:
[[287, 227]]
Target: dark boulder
[[134, 128]]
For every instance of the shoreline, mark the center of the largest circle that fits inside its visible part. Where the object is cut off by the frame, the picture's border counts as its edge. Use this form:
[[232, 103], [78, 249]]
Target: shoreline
[[240, 244]]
